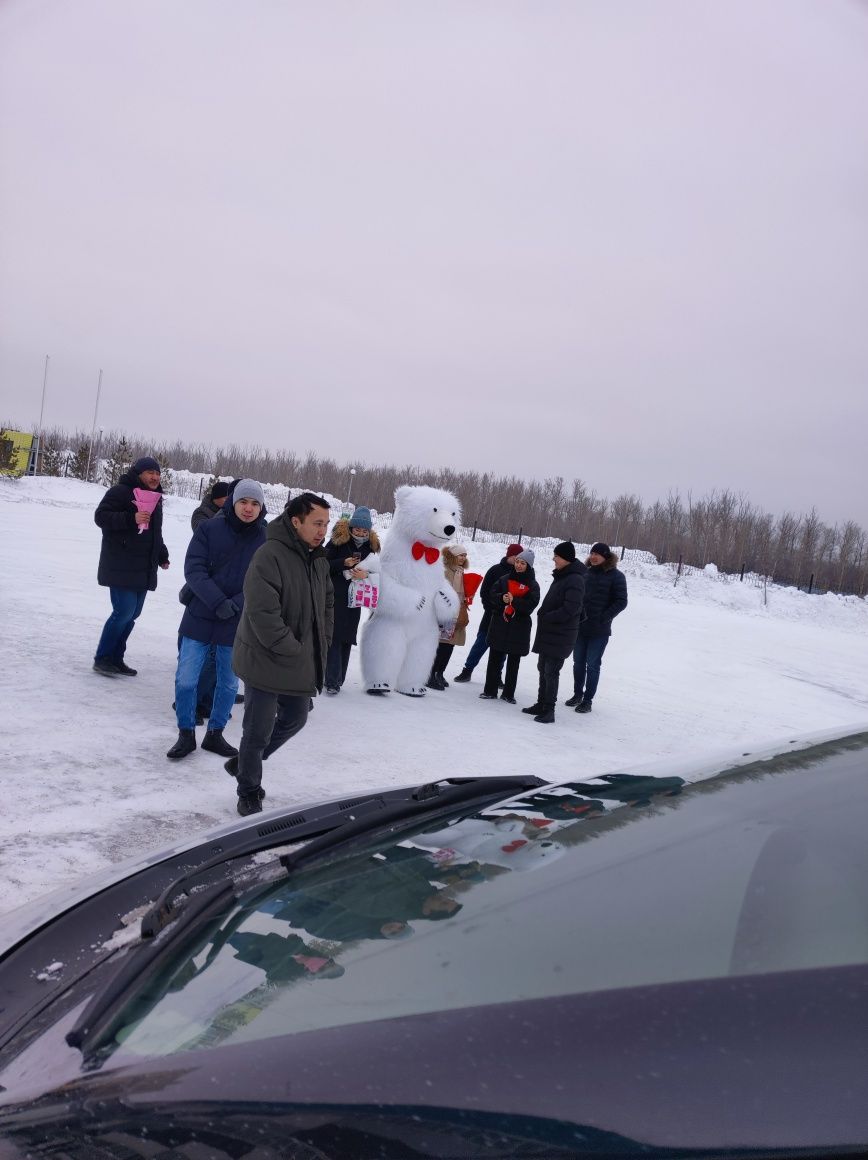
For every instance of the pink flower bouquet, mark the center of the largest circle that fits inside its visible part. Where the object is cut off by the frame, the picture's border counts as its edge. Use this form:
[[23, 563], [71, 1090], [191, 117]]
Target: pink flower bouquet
[[146, 501]]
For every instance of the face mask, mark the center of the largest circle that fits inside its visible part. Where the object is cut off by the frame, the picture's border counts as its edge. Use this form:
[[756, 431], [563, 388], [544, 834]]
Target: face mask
[[362, 539]]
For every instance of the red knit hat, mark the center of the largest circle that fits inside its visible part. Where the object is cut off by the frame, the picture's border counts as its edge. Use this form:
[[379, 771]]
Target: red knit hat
[[513, 550]]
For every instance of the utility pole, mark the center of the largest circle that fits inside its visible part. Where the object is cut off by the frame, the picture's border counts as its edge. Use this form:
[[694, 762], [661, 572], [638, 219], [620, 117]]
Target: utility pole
[[93, 428], [41, 414]]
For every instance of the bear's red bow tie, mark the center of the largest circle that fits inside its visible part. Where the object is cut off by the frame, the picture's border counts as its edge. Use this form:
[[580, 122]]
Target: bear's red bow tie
[[432, 555]]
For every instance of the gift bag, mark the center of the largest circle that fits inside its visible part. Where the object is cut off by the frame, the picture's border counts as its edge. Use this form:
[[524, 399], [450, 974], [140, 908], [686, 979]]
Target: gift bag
[[362, 594], [447, 632]]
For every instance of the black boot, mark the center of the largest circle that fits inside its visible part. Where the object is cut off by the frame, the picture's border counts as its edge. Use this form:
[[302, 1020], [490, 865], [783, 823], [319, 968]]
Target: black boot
[[435, 681], [573, 701], [215, 742], [583, 707], [125, 670], [546, 717], [463, 677], [185, 744], [533, 709], [249, 803]]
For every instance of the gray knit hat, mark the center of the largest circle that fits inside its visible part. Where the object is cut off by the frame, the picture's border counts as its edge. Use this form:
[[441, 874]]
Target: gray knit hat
[[248, 489], [527, 555]]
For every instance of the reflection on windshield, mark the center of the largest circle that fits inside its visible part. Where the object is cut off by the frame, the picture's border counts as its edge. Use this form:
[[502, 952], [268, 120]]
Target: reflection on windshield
[[303, 931]]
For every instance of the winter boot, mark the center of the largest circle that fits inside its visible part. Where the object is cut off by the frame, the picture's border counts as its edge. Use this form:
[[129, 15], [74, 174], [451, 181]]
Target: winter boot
[[546, 717], [215, 742], [508, 697], [573, 701], [185, 744], [125, 670], [436, 682], [463, 677], [249, 803], [105, 667], [231, 766], [488, 696], [533, 709], [583, 707]]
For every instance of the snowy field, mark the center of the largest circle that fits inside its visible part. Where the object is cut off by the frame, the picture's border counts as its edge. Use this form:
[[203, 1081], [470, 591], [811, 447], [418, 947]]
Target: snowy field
[[692, 670]]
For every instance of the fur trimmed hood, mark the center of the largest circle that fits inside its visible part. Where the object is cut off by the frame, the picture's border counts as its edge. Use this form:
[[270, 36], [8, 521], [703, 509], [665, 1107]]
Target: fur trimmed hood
[[341, 535], [610, 562]]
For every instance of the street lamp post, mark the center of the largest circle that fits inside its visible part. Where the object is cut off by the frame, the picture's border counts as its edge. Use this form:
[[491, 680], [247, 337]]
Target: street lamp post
[[350, 490]]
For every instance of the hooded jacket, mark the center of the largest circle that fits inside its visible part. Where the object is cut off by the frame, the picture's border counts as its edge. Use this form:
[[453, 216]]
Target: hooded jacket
[[216, 563], [511, 634], [206, 510], [560, 612], [128, 559], [605, 598], [337, 549], [286, 625]]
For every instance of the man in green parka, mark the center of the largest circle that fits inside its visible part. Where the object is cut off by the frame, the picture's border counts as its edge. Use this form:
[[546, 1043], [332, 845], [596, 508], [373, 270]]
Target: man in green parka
[[282, 640]]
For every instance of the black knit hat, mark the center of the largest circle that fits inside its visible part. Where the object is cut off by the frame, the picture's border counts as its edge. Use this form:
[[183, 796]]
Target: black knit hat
[[600, 549], [566, 551], [145, 463], [219, 490]]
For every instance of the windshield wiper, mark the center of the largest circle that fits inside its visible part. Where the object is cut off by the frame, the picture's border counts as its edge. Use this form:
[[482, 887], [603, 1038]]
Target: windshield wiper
[[341, 824], [459, 792]]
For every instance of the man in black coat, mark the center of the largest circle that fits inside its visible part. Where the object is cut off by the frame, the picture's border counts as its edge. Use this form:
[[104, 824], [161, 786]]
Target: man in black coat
[[605, 597], [557, 628], [132, 550], [480, 645]]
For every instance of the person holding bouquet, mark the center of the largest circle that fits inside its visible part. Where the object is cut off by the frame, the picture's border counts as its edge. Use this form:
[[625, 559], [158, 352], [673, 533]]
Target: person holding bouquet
[[511, 601], [215, 566], [130, 516], [353, 554]]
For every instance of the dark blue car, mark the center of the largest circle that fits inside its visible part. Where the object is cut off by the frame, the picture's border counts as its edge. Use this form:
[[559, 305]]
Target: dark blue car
[[665, 963]]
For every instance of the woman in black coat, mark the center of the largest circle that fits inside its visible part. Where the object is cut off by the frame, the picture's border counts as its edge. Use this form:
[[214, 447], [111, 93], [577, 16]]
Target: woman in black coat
[[128, 560], [509, 629], [352, 553]]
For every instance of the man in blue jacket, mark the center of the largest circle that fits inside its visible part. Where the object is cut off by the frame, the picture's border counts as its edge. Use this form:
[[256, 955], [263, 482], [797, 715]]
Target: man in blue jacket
[[215, 566]]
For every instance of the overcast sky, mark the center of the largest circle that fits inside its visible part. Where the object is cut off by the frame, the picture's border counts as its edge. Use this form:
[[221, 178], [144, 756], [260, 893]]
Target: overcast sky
[[625, 240]]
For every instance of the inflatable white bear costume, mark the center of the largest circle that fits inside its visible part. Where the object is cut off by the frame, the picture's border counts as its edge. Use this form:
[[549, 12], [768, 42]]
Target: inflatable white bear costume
[[400, 638]]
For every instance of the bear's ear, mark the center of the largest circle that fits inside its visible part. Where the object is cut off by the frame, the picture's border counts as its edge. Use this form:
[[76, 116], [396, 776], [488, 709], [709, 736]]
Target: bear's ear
[[402, 492]]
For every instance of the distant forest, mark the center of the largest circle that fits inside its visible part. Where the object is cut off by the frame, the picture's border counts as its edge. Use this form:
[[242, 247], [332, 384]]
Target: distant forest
[[722, 527]]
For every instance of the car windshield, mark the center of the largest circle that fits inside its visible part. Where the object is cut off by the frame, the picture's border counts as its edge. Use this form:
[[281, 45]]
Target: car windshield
[[561, 891]]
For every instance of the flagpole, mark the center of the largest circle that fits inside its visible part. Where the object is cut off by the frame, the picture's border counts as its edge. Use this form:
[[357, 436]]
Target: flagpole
[[93, 428]]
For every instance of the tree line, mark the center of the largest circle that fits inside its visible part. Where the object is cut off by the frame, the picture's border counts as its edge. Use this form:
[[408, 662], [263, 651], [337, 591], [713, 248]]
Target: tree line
[[722, 527]]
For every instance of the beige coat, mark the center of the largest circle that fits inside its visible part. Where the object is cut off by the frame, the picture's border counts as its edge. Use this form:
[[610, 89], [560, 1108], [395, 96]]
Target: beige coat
[[455, 577]]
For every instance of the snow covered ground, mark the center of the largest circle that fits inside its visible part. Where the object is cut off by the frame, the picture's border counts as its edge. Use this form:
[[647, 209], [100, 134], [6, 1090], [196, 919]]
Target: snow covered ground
[[692, 670]]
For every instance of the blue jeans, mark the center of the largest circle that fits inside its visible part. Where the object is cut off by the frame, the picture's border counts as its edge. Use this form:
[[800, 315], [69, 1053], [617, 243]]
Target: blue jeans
[[587, 659], [477, 650], [126, 606], [191, 658]]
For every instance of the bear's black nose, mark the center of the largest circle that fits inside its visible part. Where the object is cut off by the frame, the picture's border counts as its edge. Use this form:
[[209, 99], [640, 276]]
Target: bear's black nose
[[449, 529]]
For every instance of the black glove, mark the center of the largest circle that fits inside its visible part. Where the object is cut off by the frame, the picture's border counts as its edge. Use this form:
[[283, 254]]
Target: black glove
[[226, 609]]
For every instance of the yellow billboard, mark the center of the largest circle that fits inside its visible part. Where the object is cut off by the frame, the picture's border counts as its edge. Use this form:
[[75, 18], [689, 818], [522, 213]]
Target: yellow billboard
[[15, 459]]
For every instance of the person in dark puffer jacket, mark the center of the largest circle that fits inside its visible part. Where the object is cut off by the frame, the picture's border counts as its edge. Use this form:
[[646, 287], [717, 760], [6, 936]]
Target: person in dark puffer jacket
[[480, 645], [353, 554], [557, 628], [605, 598], [510, 627], [217, 560], [211, 505], [128, 560]]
